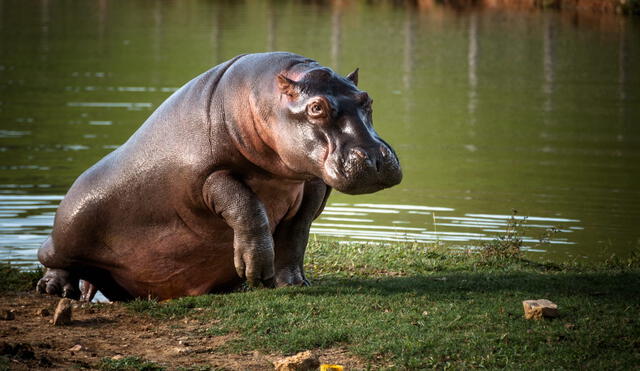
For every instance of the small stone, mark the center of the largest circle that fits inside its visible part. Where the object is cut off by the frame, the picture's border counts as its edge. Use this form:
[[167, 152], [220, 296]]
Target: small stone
[[117, 357], [181, 350], [76, 348], [62, 315], [300, 362], [43, 312], [537, 309], [7, 315]]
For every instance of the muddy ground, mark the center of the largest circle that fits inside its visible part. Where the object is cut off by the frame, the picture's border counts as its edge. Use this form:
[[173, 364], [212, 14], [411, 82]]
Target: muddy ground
[[110, 331]]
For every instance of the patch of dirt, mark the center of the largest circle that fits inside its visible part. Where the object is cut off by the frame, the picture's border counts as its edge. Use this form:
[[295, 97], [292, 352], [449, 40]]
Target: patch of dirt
[[30, 341]]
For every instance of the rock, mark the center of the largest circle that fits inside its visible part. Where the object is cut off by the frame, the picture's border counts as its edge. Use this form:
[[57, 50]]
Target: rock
[[117, 357], [43, 312], [300, 362], [7, 315], [76, 348], [62, 315], [181, 350], [537, 309]]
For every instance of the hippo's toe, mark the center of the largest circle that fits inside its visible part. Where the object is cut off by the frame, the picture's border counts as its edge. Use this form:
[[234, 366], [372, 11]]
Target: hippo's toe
[[60, 283], [291, 276]]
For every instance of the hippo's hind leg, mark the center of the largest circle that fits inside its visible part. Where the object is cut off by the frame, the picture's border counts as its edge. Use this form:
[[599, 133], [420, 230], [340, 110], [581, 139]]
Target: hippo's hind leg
[[56, 281], [61, 280], [291, 236]]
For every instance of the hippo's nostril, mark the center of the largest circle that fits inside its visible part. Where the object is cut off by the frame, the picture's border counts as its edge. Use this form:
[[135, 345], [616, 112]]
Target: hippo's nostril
[[385, 151], [358, 152]]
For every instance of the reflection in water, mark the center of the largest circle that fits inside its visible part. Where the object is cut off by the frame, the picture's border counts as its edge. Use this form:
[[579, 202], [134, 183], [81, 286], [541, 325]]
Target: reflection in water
[[548, 61], [336, 33], [92, 92], [217, 35], [622, 63], [272, 24], [472, 60], [409, 49], [44, 38], [128, 105]]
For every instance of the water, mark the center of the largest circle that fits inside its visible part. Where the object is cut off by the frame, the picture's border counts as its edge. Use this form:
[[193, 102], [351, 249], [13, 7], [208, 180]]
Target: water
[[489, 110]]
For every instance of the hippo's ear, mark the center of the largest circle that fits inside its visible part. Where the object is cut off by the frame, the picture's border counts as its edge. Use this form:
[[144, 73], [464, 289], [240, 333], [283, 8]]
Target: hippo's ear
[[353, 77], [287, 86]]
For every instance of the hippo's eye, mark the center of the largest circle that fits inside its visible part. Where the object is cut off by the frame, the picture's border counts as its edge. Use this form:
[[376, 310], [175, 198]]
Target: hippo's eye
[[315, 110]]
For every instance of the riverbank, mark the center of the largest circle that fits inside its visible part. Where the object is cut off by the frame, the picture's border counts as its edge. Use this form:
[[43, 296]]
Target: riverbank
[[373, 306]]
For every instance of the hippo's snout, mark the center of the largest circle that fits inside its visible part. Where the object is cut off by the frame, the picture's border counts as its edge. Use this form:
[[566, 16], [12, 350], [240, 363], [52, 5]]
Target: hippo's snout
[[367, 170]]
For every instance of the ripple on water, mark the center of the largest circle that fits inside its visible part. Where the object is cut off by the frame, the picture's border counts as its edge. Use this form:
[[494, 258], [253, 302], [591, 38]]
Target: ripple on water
[[26, 221], [407, 223]]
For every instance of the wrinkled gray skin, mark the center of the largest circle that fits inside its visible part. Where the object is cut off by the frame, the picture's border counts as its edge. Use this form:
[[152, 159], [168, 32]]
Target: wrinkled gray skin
[[221, 183]]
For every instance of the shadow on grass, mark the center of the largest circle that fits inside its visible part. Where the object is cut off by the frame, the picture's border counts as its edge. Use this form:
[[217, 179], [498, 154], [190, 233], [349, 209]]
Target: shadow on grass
[[453, 319], [624, 285]]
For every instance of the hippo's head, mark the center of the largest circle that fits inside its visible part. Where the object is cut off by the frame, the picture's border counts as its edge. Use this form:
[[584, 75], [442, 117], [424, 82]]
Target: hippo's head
[[324, 129]]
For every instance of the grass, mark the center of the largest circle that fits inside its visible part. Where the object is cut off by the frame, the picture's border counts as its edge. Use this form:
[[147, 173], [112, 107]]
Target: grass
[[12, 279], [5, 363], [128, 363], [406, 306]]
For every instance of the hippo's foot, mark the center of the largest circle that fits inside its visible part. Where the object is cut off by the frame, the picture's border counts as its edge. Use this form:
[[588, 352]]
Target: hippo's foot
[[88, 291], [291, 276], [59, 282], [253, 260]]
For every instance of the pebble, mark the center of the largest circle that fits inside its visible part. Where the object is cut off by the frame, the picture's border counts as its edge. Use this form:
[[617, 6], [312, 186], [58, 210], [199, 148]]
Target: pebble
[[63, 313], [76, 348], [303, 361]]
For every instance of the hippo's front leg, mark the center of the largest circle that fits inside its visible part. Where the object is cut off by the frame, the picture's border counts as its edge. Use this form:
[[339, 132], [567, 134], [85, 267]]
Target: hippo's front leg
[[246, 215], [292, 235]]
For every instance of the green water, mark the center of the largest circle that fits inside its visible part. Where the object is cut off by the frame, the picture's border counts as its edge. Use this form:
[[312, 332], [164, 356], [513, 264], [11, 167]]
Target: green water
[[488, 110]]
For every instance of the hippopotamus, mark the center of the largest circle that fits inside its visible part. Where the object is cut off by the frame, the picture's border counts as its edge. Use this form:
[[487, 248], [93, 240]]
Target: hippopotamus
[[219, 185]]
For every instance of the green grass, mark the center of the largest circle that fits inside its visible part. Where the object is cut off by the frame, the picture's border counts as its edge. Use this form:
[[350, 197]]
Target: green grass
[[128, 364], [407, 307], [12, 279], [4, 363]]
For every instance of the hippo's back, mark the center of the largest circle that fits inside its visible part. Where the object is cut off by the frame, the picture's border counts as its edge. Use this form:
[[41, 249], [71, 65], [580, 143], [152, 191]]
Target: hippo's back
[[150, 184]]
